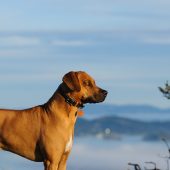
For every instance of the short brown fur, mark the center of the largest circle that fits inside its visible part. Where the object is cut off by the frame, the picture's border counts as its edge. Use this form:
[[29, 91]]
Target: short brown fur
[[44, 133]]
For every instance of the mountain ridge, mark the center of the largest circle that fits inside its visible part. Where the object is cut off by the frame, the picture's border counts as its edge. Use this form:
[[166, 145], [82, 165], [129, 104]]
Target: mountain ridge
[[100, 110], [121, 120], [122, 126]]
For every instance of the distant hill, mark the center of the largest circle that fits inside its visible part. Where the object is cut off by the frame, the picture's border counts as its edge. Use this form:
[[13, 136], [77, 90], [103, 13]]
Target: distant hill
[[100, 110], [114, 121], [122, 126]]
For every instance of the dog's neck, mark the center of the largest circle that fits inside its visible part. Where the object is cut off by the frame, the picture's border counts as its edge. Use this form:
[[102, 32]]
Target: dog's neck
[[72, 101], [61, 100]]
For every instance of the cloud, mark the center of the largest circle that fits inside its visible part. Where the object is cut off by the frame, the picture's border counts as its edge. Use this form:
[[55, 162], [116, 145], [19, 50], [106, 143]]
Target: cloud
[[112, 154], [83, 15], [16, 40], [72, 43], [161, 40], [8, 77]]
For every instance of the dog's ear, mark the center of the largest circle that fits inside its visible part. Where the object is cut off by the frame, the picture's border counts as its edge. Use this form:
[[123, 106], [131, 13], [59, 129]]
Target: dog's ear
[[72, 81]]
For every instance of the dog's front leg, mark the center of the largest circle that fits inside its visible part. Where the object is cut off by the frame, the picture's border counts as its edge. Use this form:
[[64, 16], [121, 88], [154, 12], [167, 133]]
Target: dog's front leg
[[63, 161], [50, 165]]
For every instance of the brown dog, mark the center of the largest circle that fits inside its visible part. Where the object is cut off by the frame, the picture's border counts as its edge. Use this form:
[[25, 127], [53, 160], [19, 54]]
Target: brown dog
[[45, 133]]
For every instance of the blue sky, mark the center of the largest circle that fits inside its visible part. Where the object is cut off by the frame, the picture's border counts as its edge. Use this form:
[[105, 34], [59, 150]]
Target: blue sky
[[123, 44]]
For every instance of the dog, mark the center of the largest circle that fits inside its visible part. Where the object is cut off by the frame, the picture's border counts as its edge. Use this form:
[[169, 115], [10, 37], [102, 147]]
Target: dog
[[45, 133]]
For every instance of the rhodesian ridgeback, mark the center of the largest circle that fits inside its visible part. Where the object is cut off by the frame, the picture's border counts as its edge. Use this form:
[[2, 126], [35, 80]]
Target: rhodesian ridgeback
[[45, 133]]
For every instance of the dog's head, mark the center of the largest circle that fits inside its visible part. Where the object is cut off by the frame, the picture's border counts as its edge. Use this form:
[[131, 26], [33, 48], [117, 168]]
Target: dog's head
[[84, 87]]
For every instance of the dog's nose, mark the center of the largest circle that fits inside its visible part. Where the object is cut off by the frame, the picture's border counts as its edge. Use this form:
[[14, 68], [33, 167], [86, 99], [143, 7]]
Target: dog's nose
[[104, 92]]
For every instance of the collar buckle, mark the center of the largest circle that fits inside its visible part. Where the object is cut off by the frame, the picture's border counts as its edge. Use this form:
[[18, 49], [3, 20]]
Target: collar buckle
[[70, 101]]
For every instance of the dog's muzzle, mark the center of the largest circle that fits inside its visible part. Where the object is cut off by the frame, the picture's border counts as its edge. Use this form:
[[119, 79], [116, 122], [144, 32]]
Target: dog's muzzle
[[96, 97], [102, 95]]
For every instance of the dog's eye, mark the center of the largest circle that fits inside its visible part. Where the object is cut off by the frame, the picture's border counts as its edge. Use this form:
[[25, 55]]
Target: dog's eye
[[87, 83]]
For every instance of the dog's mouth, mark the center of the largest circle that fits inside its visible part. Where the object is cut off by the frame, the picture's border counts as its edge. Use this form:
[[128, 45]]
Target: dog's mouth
[[96, 98]]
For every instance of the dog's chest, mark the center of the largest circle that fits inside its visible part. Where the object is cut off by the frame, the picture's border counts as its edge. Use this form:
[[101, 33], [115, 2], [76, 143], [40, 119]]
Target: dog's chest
[[69, 144]]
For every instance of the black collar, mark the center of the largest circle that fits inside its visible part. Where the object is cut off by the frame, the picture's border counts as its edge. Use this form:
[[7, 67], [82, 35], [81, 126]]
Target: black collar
[[70, 100]]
